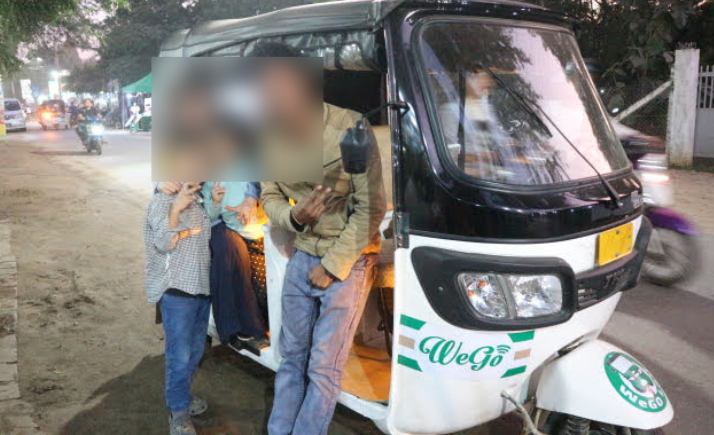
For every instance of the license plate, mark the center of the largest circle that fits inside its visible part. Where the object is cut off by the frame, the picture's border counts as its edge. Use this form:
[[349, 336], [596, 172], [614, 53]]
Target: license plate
[[615, 243]]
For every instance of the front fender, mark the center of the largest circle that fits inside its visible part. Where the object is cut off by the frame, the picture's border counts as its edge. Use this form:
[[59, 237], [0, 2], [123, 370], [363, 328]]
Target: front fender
[[600, 382]]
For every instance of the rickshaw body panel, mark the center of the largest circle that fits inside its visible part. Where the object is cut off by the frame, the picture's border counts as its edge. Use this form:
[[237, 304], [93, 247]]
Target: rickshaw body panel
[[433, 398]]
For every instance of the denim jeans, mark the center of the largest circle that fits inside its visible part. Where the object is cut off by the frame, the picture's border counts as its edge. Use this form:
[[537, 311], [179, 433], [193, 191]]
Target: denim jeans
[[315, 341], [185, 324]]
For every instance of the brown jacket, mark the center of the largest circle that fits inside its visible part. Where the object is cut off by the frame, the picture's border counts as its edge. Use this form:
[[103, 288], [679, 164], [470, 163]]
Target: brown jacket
[[349, 227]]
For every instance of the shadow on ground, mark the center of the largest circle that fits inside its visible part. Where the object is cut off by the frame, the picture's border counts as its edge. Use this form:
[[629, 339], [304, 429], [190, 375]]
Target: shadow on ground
[[239, 392]]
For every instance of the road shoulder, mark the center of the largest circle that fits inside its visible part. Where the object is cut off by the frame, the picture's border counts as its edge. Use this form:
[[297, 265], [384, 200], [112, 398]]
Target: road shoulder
[[15, 414]]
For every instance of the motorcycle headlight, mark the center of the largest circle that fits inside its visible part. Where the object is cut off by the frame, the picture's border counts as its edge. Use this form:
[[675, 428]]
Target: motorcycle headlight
[[511, 296], [96, 130]]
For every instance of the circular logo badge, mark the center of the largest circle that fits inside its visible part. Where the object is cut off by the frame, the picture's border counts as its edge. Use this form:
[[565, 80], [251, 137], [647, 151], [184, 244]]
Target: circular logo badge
[[634, 383]]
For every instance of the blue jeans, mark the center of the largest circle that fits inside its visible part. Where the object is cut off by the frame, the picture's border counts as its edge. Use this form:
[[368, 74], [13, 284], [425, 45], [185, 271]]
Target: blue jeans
[[185, 325], [315, 341]]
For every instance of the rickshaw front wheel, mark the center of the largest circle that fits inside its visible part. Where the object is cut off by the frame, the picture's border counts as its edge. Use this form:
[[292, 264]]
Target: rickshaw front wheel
[[562, 424]]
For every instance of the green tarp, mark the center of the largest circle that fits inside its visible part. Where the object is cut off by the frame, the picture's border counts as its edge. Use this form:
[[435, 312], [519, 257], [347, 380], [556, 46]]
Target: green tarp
[[141, 85]]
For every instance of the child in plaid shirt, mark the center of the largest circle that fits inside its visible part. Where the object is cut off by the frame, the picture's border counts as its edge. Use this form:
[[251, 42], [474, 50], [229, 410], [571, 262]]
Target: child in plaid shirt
[[176, 235]]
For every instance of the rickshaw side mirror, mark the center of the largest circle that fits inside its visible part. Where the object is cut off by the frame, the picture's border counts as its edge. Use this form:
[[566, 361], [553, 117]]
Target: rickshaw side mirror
[[355, 147]]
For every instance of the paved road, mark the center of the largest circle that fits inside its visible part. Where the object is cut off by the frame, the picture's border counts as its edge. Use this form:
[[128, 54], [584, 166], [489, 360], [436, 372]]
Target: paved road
[[670, 330]]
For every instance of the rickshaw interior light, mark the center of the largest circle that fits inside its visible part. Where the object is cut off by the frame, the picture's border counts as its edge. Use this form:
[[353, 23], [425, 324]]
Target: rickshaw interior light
[[511, 296], [485, 294]]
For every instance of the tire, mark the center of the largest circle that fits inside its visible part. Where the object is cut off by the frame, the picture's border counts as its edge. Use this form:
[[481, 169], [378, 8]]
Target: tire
[[671, 257], [562, 424], [98, 147]]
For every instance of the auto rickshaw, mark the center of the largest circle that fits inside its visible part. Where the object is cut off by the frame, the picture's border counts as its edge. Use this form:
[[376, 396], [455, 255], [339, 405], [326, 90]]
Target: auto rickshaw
[[53, 114], [515, 220]]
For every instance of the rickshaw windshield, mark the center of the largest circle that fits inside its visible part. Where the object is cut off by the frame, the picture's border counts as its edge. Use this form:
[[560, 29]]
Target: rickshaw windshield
[[506, 97]]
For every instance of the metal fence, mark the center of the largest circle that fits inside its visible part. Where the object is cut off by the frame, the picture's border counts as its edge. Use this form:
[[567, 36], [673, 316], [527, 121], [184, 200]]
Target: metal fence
[[651, 118]]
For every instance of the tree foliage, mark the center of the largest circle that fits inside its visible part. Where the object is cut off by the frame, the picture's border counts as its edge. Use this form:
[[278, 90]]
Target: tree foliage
[[633, 39], [42, 23]]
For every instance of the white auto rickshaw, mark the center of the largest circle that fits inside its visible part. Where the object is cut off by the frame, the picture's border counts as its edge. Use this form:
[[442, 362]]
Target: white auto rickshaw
[[515, 219]]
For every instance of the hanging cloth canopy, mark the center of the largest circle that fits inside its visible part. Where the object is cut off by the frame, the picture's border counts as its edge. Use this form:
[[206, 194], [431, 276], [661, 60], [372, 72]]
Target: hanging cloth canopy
[[142, 85]]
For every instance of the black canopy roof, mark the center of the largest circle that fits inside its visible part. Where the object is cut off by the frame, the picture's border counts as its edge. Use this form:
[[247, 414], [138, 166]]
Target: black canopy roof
[[315, 18]]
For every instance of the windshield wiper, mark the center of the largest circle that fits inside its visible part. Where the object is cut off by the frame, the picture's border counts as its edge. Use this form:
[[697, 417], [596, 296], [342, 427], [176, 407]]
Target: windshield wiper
[[611, 192]]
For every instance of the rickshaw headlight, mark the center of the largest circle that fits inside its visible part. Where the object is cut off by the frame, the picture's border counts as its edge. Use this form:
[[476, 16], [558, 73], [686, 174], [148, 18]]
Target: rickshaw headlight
[[510, 296], [536, 295], [485, 294]]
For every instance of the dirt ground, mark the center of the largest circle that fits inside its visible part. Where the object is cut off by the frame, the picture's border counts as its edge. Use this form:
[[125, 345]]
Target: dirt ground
[[91, 357], [694, 197]]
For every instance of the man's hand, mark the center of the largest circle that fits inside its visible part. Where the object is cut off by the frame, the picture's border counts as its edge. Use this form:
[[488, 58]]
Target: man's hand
[[309, 208], [185, 196], [319, 277], [169, 187], [217, 193], [246, 211]]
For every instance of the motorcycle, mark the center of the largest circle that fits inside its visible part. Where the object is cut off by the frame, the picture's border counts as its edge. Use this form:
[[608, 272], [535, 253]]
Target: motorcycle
[[672, 254], [93, 135]]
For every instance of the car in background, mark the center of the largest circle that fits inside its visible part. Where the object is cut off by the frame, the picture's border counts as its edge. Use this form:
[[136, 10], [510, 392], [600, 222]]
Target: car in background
[[14, 115]]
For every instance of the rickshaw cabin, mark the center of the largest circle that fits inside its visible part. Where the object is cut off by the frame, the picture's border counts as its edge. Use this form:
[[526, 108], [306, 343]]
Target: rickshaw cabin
[[348, 37]]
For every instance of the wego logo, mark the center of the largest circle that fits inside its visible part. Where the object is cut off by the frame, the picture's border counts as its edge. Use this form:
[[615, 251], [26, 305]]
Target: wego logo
[[445, 352], [634, 383], [453, 353]]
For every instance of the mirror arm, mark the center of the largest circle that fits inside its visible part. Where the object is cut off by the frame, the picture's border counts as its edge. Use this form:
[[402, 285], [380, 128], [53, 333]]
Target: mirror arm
[[400, 105]]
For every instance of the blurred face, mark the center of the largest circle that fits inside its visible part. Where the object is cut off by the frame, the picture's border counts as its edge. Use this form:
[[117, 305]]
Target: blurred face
[[88, 103], [287, 96], [480, 84]]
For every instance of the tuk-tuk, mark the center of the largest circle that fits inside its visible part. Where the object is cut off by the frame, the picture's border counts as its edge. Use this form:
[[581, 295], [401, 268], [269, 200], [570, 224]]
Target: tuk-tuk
[[53, 114], [515, 220]]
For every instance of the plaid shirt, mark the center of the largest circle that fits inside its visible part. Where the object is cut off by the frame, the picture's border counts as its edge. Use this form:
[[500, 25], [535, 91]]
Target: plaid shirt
[[184, 265]]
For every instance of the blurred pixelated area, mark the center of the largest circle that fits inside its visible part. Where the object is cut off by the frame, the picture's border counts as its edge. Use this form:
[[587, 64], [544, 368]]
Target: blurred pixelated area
[[237, 119]]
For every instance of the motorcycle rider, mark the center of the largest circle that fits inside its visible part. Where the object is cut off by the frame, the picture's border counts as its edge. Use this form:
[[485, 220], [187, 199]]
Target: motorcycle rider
[[73, 113], [87, 112]]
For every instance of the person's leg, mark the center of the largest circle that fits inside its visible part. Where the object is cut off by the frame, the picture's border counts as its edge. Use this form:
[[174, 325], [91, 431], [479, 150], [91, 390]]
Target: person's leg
[[179, 318], [249, 316], [299, 312], [200, 331], [341, 306], [224, 257]]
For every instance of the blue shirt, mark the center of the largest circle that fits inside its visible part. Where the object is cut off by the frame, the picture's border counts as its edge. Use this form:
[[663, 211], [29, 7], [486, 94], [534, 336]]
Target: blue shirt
[[236, 192]]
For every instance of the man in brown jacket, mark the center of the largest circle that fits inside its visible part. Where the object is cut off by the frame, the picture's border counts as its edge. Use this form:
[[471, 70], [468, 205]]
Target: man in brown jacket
[[337, 234]]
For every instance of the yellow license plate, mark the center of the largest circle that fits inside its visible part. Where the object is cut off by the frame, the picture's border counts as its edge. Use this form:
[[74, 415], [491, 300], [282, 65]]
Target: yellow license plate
[[615, 243]]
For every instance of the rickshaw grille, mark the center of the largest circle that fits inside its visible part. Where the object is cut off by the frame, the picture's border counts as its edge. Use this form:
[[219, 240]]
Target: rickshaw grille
[[587, 296]]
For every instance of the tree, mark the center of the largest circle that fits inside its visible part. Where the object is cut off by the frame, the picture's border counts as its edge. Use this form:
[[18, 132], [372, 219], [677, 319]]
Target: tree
[[633, 39], [37, 22]]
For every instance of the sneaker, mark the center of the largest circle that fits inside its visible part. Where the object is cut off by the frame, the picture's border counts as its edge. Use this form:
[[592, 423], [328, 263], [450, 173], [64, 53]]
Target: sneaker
[[251, 344], [181, 425], [197, 407]]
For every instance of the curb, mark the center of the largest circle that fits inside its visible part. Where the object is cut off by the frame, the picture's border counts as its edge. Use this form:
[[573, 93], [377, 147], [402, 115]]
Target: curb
[[15, 414]]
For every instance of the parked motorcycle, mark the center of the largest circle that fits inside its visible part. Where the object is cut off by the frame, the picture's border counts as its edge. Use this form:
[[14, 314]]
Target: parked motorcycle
[[93, 135], [672, 254]]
